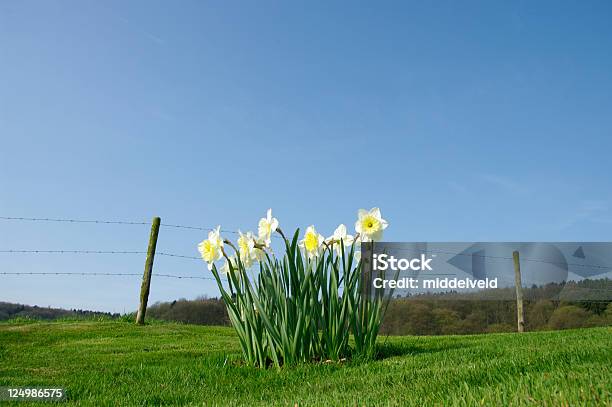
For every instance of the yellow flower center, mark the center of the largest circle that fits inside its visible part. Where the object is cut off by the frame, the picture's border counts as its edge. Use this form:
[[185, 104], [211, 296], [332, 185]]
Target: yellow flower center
[[208, 251], [311, 242], [370, 225]]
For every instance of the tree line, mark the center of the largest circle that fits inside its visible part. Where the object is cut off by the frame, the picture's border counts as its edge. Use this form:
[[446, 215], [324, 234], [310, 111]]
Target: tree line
[[430, 314], [12, 311], [453, 313]]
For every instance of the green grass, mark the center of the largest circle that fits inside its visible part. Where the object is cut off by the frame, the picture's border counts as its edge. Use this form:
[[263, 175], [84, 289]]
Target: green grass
[[117, 363]]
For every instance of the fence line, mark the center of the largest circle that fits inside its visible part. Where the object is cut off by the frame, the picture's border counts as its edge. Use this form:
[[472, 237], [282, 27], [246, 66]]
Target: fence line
[[166, 275], [65, 273], [68, 251], [119, 222], [206, 229], [200, 228], [504, 258], [179, 256], [20, 251], [110, 222], [71, 251]]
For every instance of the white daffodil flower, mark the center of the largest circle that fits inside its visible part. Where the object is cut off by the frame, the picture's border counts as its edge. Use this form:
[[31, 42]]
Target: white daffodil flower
[[211, 248], [312, 242], [340, 235], [266, 227], [246, 248], [370, 225]]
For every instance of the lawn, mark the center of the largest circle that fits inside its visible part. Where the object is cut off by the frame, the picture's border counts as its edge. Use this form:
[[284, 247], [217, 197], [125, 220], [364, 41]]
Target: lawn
[[118, 363]]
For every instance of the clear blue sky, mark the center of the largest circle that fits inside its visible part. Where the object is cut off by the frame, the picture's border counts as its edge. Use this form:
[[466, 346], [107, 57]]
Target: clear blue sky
[[463, 121]]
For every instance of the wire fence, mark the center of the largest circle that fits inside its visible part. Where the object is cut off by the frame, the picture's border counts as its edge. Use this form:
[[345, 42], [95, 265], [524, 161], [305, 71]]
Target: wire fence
[[117, 222], [108, 222], [20, 251], [527, 259], [100, 252], [183, 256], [62, 273]]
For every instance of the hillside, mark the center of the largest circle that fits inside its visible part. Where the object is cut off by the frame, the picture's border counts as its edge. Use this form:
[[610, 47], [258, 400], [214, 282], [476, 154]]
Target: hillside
[[119, 363], [10, 310]]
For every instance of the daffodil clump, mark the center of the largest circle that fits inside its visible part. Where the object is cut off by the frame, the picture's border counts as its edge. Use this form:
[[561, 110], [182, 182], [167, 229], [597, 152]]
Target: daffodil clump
[[303, 306]]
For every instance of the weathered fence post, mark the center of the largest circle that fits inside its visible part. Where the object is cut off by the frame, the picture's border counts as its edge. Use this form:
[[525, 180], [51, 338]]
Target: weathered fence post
[[519, 292], [148, 270]]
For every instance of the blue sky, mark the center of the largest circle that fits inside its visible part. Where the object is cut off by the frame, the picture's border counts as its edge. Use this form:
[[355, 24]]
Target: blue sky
[[462, 121]]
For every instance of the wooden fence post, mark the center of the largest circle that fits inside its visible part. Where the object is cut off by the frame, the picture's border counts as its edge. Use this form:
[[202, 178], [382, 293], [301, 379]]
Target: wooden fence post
[[148, 270], [519, 292]]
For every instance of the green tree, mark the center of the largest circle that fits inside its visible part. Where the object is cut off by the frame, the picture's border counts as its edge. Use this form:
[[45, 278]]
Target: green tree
[[539, 314], [569, 316]]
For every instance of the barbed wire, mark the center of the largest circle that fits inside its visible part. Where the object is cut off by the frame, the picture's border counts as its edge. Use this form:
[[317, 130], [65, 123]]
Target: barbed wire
[[202, 228], [20, 251], [71, 251], [65, 220], [39, 251], [120, 222], [504, 258], [58, 273], [589, 289], [207, 229], [179, 256]]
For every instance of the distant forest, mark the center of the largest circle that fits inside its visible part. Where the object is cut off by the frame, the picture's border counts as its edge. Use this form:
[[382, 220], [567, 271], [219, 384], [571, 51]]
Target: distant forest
[[439, 314], [11, 311]]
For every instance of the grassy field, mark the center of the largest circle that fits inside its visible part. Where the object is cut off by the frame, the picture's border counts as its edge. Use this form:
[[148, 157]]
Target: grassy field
[[117, 363]]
